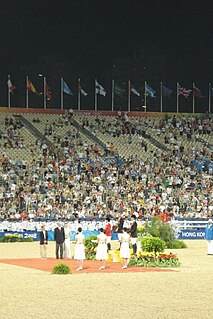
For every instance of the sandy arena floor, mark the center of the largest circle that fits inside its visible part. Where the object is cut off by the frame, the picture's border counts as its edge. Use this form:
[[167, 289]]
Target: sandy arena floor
[[31, 293]]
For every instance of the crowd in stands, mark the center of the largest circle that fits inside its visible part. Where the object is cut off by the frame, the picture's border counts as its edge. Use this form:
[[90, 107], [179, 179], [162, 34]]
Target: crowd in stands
[[73, 179]]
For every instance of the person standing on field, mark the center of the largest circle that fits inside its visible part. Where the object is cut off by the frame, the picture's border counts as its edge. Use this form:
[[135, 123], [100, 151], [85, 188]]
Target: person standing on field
[[43, 242], [209, 236], [68, 234], [59, 237], [134, 234], [108, 233]]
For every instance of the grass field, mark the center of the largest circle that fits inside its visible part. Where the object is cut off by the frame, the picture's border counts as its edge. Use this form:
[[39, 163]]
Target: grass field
[[29, 293]]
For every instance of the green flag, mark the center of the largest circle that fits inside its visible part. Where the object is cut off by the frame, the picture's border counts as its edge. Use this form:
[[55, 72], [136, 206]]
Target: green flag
[[119, 91]]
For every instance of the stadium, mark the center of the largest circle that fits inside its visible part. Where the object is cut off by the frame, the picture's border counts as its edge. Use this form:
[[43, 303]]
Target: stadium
[[106, 166]]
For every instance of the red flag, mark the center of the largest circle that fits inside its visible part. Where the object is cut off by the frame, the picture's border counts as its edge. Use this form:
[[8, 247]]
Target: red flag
[[47, 92]]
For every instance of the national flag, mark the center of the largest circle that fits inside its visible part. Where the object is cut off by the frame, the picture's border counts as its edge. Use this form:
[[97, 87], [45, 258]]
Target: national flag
[[149, 91], [99, 89], [198, 92], [183, 91], [31, 87], [84, 93], [65, 88], [119, 90], [166, 91], [47, 91], [11, 87], [133, 90]]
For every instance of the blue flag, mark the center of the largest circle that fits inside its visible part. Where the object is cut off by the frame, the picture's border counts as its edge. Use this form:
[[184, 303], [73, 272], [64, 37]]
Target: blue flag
[[166, 91], [149, 91], [65, 88]]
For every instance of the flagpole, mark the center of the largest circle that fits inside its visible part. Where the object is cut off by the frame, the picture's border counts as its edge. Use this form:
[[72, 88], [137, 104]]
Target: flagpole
[[8, 92], [113, 90], [95, 96], [27, 93], [45, 101], [193, 99], [145, 95], [62, 95], [161, 98], [129, 97], [177, 98], [210, 86], [79, 94]]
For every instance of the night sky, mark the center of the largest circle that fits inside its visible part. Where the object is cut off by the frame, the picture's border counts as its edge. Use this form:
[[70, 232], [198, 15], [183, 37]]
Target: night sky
[[92, 33]]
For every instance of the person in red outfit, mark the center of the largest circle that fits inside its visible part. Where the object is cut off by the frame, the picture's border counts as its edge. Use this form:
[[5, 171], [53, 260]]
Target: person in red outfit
[[108, 233]]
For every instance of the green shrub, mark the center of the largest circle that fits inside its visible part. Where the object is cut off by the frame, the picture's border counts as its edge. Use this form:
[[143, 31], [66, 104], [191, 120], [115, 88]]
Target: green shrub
[[176, 244], [12, 238], [161, 229], [153, 244], [61, 269], [89, 245]]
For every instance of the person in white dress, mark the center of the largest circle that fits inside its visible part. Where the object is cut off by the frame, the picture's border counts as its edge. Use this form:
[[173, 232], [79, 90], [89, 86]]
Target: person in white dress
[[101, 253], [68, 234], [79, 253], [124, 250]]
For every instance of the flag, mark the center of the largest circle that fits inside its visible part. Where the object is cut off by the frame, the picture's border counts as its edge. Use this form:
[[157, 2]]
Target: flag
[[119, 90], [198, 92], [31, 87], [65, 88], [11, 87], [99, 89], [149, 91], [166, 91], [183, 91], [81, 90], [133, 90], [47, 92]]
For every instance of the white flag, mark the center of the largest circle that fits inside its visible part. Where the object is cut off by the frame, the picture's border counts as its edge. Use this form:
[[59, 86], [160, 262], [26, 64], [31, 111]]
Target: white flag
[[99, 89], [135, 91], [83, 92]]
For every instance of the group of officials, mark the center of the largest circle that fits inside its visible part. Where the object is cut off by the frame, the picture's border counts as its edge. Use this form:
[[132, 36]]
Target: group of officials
[[62, 237]]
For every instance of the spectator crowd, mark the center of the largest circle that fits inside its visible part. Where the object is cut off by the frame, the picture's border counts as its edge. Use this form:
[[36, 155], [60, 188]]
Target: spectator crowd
[[77, 179]]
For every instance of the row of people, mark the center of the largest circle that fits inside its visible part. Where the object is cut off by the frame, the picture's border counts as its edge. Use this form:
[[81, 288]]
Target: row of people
[[62, 238]]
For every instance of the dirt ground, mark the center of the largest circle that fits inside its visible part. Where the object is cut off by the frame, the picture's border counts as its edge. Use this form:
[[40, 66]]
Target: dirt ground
[[30, 293]]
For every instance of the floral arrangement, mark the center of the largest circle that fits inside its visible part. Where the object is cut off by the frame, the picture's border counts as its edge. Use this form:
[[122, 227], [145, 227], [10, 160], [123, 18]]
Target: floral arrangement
[[155, 260]]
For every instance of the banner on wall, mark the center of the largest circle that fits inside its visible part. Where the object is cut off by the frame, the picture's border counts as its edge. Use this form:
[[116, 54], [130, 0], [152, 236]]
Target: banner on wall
[[191, 234], [35, 234]]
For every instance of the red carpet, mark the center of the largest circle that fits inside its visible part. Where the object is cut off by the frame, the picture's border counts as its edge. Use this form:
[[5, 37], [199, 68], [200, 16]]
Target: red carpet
[[90, 266]]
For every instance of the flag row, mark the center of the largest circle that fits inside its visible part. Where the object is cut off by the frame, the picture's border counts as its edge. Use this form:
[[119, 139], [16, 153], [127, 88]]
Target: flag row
[[116, 90]]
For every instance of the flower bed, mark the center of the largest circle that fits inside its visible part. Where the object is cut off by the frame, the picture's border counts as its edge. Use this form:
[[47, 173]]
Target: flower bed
[[158, 260]]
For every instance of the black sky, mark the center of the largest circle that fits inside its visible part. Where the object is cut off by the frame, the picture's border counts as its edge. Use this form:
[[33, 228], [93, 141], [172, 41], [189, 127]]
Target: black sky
[[93, 33]]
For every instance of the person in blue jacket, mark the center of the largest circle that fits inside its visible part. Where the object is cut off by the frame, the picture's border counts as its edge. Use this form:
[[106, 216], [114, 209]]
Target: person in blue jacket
[[209, 236]]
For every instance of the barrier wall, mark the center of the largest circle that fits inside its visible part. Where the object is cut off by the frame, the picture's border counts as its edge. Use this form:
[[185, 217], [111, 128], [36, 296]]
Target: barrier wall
[[191, 234], [182, 234], [93, 112], [35, 234]]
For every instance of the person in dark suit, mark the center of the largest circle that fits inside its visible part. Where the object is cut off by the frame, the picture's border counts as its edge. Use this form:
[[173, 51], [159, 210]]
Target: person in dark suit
[[59, 237], [120, 226], [134, 234], [43, 242]]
